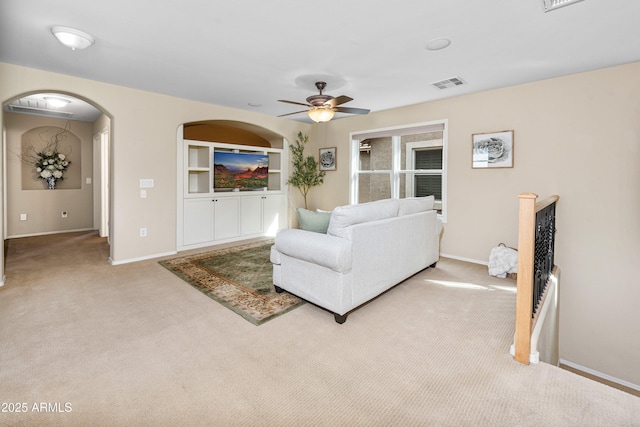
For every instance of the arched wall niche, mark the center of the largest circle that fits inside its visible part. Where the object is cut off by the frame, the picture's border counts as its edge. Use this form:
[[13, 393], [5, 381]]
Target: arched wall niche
[[232, 132], [43, 138]]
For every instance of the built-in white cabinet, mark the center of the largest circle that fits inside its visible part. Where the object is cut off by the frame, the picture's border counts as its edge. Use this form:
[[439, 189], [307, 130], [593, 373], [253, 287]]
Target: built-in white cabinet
[[198, 221], [261, 214], [217, 206], [273, 214], [226, 223], [251, 214]]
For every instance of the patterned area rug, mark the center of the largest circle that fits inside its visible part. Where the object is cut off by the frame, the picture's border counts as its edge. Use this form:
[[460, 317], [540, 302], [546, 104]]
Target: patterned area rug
[[240, 278]]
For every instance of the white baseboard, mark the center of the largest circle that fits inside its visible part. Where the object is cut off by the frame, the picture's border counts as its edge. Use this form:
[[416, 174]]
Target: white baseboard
[[222, 242], [143, 258], [17, 236], [473, 261], [600, 374]]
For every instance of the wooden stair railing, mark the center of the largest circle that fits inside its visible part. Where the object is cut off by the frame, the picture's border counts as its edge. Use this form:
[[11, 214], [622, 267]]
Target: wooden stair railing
[[525, 316]]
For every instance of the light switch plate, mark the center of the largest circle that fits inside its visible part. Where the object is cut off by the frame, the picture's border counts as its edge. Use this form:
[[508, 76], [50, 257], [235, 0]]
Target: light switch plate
[[146, 183]]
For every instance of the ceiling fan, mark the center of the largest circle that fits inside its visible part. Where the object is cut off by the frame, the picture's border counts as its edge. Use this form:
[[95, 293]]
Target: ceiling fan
[[323, 107]]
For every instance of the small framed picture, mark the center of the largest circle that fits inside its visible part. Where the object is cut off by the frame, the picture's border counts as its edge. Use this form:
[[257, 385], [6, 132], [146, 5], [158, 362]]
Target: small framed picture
[[492, 150], [328, 159]]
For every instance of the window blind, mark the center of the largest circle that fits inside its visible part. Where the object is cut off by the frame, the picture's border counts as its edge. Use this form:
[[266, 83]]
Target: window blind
[[430, 158]]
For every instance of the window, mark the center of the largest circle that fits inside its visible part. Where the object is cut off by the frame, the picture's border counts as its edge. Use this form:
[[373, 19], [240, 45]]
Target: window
[[424, 159], [400, 162]]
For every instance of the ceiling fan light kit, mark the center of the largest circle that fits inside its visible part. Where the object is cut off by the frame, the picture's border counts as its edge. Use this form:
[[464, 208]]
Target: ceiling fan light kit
[[320, 115], [322, 107]]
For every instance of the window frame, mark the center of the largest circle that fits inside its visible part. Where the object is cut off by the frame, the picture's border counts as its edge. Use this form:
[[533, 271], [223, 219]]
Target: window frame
[[410, 150], [396, 170]]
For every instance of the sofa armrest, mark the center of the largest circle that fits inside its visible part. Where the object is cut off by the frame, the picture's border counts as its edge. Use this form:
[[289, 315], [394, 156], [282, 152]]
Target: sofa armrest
[[321, 249]]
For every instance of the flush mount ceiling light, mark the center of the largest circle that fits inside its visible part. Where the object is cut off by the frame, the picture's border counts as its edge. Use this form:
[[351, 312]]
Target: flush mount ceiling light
[[72, 38], [321, 114], [55, 102], [550, 5]]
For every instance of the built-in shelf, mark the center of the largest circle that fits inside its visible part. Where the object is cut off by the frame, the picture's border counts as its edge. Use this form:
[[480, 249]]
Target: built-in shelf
[[210, 215], [200, 170]]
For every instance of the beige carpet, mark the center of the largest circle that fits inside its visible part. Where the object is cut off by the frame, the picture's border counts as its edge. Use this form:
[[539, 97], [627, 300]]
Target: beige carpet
[[131, 345]]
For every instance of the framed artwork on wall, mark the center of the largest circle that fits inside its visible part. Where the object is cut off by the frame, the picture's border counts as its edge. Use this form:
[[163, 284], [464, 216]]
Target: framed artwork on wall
[[328, 159], [492, 150]]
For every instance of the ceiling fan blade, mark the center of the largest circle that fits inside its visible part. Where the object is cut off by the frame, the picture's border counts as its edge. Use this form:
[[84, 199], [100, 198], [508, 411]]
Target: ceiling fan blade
[[290, 114], [351, 110], [342, 99], [337, 101], [295, 103]]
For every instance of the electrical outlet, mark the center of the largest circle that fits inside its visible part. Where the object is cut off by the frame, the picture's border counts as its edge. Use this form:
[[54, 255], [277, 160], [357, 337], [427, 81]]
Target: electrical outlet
[[23, 217], [143, 232], [64, 214]]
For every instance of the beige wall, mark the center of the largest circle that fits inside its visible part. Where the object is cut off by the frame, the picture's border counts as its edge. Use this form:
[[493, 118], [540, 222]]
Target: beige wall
[[26, 194], [144, 134], [576, 136]]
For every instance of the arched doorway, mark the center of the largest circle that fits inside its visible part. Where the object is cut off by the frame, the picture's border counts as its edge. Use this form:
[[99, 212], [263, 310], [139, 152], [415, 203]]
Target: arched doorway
[[81, 200]]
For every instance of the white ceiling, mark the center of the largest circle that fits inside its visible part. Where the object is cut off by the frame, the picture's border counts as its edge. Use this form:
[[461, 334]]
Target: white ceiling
[[254, 52]]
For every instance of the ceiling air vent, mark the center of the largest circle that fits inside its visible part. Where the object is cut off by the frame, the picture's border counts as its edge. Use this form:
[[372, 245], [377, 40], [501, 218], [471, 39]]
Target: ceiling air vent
[[550, 5], [39, 111], [447, 83]]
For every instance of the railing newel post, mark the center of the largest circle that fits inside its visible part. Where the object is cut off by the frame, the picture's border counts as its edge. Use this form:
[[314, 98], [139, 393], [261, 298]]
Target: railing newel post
[[536, 248], [524, 296]]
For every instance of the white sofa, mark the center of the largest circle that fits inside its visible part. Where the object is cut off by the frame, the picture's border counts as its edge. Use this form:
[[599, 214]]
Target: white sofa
[[368, 248]]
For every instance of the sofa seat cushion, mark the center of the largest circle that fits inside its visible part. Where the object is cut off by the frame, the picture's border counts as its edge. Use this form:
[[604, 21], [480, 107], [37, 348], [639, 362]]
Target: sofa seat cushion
[[313, 221], [345, 216]]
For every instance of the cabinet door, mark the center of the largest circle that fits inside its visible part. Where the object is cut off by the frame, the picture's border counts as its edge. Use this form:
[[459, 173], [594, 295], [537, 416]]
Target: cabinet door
[[251, 215], [198, 221], [226, 220], [273, 218]]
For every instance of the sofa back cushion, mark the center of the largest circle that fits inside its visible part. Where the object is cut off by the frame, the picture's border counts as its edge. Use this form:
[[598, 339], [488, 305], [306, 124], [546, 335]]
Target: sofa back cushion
[[345, 216], [412, 205]]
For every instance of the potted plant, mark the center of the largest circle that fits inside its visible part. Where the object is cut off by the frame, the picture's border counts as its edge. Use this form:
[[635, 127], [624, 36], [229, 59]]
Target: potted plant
[[306, 173]]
